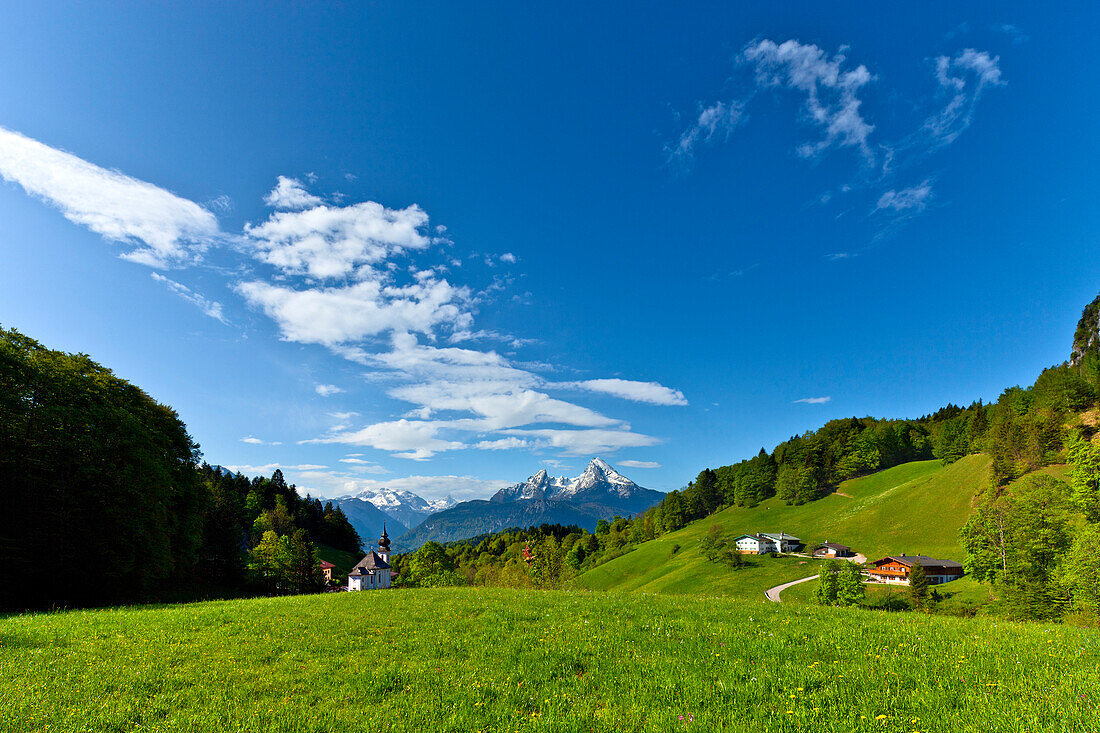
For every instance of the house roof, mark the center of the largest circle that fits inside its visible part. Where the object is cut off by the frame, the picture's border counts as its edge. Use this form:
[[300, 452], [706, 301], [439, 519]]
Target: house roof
[[371, 561], [326, 565], [779, 536], [756, 537], [835, 546], [922, 560]]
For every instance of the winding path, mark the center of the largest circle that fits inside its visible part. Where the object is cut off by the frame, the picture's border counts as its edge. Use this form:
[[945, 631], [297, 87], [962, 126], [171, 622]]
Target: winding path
[[773, 593]]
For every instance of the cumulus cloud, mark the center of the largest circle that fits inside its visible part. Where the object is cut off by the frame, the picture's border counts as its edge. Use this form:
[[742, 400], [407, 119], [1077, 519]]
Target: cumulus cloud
[[648, 392], [639, 464], [963, 78], [338, 315], [813, 400], [209, 307], [377, 315], [289, 193], [159, 228], [831, 91], [331, 241]]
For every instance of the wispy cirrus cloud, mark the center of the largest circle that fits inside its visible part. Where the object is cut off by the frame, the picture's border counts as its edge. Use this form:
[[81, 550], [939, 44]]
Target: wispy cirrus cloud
[[209, 307], [963, 77], [831, 91], [906, 200], [639, 464], [159, 228], [813, 400], [327, 390], [252, 440]]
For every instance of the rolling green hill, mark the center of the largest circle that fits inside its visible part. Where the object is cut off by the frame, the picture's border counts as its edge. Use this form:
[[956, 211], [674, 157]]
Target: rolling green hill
[[481, 659], [915, 508]]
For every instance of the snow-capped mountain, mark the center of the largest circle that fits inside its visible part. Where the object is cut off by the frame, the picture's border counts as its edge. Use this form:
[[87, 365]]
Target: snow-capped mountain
[[599, 478], [370, 509], [600, 492]]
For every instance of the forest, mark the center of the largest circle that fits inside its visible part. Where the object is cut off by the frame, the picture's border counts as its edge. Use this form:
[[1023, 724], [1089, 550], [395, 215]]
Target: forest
[[105, 500]]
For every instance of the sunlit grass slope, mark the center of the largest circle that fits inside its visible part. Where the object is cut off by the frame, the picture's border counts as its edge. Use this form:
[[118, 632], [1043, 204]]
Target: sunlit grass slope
[[502, 660], [915, 508]]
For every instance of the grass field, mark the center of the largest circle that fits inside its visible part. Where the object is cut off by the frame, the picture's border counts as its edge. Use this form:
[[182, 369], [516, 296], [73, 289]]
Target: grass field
[[915, 508], [502, 660]]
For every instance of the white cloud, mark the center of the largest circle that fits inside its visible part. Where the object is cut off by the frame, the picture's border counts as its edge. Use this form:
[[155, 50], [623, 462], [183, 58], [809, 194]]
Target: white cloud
[[835, 256], [327, 390], [639, 464], [331, 241], [831, 100], [1017, 35], [964, 77], [289, 193], [251, 440], [161, 228], [508, 257], [361, 465], [335, 484], [270, 467], [813, 400], [715, 122], [209, 307], [585, 442], [913, 199], [414, 439], [649, 392], [338, 315]]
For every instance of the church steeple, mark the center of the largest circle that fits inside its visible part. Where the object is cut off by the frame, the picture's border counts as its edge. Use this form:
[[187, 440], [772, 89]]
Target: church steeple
[[384, 544]]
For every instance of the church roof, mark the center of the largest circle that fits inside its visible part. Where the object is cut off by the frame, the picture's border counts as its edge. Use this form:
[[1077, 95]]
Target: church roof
[[371, 561]]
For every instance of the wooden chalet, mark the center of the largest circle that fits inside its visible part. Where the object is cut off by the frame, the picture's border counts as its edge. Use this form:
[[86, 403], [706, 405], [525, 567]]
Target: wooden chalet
[[895, 569]]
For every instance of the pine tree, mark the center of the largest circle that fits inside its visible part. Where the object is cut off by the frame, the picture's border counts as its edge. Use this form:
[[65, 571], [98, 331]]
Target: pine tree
[[918, 585]]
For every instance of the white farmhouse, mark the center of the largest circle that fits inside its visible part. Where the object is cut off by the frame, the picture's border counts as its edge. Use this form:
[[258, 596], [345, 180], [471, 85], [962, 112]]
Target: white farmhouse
[[782, 541], [373, 571], [754, 544]]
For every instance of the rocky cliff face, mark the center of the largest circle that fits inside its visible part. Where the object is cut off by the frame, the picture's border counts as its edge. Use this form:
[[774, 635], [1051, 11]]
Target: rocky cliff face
[[1087, 336]]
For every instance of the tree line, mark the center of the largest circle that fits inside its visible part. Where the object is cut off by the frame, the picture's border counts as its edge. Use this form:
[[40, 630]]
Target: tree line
[[104, 499]]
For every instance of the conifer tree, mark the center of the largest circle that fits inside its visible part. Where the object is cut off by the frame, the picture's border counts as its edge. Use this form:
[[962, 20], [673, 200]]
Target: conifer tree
[[918, 585]]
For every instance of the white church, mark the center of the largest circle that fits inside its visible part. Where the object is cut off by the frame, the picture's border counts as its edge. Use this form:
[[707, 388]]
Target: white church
[[373, 571]]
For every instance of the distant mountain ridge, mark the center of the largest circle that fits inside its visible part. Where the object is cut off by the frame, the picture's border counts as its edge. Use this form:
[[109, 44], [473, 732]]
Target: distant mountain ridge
[[600, 492], [397, 510]]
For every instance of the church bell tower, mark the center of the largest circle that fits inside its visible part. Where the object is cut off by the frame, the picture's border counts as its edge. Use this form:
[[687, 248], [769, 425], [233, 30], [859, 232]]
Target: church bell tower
[[384, 545]]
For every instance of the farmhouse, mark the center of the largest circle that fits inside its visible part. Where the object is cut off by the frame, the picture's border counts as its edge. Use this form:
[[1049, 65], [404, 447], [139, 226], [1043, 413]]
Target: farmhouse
[[832, 549], [373, 571], [327, 568], [783, 542], [753, 544], [760, 544], [895, 569]]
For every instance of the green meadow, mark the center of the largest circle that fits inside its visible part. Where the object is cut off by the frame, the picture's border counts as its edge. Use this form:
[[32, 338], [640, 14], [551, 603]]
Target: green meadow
[[504, 660], [915, 508]]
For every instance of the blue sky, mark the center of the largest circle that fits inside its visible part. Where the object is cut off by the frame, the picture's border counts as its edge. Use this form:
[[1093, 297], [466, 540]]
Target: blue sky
[[435, 247]]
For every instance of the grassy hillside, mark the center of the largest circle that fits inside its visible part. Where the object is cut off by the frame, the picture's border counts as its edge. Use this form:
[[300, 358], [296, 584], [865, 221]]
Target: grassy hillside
[[500, 660], [915, 508]]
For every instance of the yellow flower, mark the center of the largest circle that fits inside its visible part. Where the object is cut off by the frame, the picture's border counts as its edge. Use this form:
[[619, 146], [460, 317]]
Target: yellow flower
[[880, 717]]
